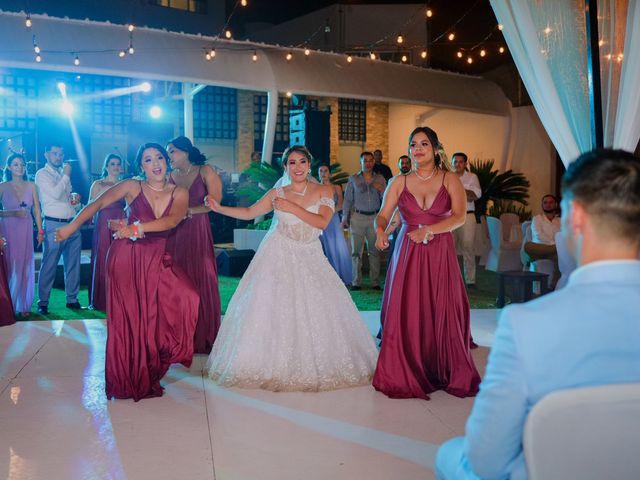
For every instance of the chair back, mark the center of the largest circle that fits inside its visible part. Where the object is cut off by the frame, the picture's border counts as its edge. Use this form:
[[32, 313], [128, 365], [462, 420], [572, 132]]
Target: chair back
[[509, 220], [566, 263], [587, 433], [526, 237], [495, 232]]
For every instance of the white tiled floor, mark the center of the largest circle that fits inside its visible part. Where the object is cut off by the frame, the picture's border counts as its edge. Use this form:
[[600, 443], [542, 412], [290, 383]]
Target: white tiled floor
[[55, 422]]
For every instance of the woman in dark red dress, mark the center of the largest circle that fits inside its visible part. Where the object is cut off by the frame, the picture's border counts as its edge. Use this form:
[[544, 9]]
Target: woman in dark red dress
[[7, 315], [102, 235], [191, 243], [152, 306], [425, 310]]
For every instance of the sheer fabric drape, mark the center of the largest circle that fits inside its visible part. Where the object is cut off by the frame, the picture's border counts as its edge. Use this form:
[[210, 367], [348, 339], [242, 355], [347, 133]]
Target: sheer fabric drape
[[548, 42]]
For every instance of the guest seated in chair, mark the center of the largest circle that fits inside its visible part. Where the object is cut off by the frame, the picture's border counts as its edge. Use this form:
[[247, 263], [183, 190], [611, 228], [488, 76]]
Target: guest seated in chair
[[543, 230], [583, 335]]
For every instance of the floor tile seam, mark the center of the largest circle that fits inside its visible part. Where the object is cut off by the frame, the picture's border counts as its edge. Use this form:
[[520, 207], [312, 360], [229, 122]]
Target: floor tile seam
[[14, 377], [209, 426], [439, 419]]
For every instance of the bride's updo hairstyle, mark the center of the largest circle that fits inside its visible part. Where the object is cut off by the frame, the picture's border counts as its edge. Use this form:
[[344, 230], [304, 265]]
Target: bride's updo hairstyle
[[301, 149], [195, 156], [439, 156], [143, 147]]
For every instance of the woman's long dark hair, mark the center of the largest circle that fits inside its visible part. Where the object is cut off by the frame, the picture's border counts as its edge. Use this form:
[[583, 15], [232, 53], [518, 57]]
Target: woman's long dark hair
[[141, 150], [195, 156], [438, 151], [8, 176]]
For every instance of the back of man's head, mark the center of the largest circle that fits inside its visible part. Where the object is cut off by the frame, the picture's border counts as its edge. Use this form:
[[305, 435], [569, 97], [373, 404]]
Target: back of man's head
[[605, 185]]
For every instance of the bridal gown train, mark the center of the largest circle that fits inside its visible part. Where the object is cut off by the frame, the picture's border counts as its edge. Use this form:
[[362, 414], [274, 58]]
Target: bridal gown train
[[291, 325]]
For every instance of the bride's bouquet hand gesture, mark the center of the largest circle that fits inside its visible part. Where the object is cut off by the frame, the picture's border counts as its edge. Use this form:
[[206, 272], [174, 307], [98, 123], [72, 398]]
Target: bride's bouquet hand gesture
[[283, 204]]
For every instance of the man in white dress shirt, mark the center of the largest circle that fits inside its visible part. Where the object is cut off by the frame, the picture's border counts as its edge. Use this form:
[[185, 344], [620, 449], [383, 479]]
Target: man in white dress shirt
[[466, 234], [543, 231], [583, 335], [54, 187]]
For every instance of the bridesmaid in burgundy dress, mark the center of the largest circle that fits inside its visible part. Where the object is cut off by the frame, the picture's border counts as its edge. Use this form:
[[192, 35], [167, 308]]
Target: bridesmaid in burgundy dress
[[425, 310], [7, 315], [191, 243], [152, 306], [102, 235]]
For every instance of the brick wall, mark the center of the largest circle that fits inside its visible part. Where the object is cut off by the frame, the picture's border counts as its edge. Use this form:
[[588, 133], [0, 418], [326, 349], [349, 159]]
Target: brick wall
[[245, 141], [334, 142], [378, 128]]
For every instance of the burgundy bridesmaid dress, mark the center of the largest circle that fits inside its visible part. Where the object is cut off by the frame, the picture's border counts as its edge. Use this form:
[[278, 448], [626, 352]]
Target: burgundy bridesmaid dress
[[191, 246], [152, 309], [102, 238], [7, 315], [425, 312]]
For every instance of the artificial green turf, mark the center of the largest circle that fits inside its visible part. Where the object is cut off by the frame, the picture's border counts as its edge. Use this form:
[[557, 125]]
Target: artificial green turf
[[483, 296]]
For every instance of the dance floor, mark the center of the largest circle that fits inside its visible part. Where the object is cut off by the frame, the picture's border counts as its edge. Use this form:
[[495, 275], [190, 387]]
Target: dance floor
[[55, 422]]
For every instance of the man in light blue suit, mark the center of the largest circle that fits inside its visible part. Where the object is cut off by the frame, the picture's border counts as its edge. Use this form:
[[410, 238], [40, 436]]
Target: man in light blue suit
[[586, 334]]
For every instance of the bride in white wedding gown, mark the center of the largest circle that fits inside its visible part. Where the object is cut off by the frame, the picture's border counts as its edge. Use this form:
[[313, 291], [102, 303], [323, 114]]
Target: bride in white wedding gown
[[291, 324]]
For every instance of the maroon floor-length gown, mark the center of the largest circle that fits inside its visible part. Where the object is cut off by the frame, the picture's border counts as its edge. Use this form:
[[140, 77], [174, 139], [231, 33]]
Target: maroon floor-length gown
[[152, 309], [191, 246], [425, 312], [102, 238], [7, 315]]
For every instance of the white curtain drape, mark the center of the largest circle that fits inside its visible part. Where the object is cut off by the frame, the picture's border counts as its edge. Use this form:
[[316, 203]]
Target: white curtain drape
[[548, 42]]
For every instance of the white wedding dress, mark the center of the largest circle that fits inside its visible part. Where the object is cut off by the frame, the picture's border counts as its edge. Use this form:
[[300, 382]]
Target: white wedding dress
[[291, 324]]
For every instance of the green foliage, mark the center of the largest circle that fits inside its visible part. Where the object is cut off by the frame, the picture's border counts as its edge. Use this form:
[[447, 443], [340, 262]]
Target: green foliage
[[507, 186], [261, 177], [500, 206], [263, 225]]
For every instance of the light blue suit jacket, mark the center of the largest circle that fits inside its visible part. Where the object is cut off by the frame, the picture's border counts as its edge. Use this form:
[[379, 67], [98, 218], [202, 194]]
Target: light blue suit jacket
[[586, 334]]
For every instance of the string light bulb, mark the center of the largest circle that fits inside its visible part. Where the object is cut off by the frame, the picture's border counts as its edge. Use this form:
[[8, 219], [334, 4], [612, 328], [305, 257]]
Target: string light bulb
[[36, 48], [254, 57], [307, 52], [423, 54], [131, 27], [400, 39], [469, 60], [76, 61], [372, 56], [27, 21], [600, 43], [289, 56], [122, 53], [404, 59], [451, 36], [547, 30], [483, 52], [288, 94], [501, 50], [500, 26], [227, 33], [244, 3], [459, 54], [349, 58], [429, 13], [38, 58], [131, 50]]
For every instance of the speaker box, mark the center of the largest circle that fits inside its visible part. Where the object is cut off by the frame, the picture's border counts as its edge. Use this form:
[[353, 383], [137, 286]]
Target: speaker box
[[233, 263]]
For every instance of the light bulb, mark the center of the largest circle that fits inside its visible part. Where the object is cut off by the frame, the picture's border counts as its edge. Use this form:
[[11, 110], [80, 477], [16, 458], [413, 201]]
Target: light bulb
[[459, 54], [36, 48], [307, 52], [289, 56], [452, 36], [76, 61], [500, 26], [349, 58], [131, 50], [27, 22], [404, 58], [372, 56], [429, 13], [469, 60], [131, 27], [483, 52], [243, 3], [227, 33], [400, 39], [254, 57], [122, 53], [38, 58], [501, 49], [423, 54]]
